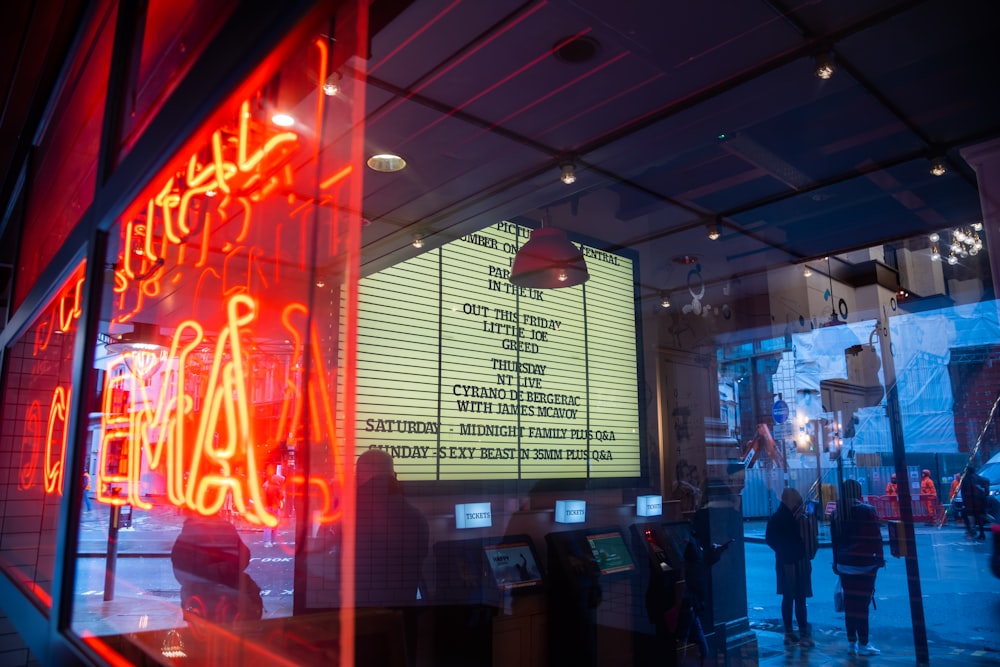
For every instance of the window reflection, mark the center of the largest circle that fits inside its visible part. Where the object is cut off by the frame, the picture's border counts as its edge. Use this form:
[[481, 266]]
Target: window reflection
[[36, 396], [218, 438]]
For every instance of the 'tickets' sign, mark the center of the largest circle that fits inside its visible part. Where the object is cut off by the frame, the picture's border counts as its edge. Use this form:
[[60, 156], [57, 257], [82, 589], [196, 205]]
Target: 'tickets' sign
[[473, 515], [464, 376], [571, 511]]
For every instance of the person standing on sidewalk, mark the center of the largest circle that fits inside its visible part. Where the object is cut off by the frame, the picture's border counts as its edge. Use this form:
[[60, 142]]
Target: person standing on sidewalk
[[928, 493], [892, 489], [792, 535], [857, 557], [274, 501], [86, 491], [975, 491], [956, 486]]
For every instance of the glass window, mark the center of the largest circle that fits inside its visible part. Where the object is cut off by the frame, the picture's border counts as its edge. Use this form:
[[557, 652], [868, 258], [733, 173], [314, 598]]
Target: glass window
[[218, 440], [172, 38], [37, 389], [64, 167], [335, 421]]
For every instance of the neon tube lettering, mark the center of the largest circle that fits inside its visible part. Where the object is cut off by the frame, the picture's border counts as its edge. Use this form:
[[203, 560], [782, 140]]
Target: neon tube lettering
[[58, 416], [30, 446]]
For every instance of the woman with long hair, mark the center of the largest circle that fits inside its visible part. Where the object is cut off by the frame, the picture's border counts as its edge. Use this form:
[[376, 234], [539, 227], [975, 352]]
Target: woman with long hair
[[857, 557]]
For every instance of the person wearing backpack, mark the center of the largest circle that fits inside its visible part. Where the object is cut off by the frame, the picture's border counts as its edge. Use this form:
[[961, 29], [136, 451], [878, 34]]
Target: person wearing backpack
[[792, 535], [975, 489]]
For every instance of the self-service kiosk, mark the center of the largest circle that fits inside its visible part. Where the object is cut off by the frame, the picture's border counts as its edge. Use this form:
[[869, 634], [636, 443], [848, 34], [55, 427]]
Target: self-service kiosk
[[675, 580], [588, 569], [488, 600], [660, 582]]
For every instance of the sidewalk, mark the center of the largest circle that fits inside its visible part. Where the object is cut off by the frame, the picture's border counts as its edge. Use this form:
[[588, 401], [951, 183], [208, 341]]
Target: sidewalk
[[896, 643], [831, 649]]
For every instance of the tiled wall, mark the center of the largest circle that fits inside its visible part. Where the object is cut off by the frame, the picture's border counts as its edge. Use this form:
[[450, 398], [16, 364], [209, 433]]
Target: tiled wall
[[13, 651]]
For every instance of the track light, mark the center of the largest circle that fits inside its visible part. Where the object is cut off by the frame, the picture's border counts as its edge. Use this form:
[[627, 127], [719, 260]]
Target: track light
[[418, 241], [664, 300], [938, 167], [714, 230], [568, 175], [824, 66]]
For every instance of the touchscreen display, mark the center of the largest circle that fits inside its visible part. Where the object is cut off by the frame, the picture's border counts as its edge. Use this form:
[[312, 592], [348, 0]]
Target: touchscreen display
[[610, 552], [513, 565]]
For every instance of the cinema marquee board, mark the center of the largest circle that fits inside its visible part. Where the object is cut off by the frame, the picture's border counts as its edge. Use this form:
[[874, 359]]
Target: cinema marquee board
[[463, 376]]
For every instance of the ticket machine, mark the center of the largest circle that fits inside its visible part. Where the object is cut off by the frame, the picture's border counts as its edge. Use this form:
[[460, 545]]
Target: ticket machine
[[489, 597], [588, 569]]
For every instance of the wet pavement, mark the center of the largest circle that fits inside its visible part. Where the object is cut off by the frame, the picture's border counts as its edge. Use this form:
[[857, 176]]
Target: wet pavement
[[959, 595]]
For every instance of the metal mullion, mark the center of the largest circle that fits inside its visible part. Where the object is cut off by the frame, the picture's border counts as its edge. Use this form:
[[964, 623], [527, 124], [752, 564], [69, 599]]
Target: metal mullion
[[63, 646]]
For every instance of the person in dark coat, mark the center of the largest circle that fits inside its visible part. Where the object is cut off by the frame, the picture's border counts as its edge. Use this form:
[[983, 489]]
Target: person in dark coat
[[209, 560], [975, 490], [392, 541], [792, 535], [857, 557]]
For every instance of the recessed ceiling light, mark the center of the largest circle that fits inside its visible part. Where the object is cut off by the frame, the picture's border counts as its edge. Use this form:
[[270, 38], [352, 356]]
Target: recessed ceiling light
[[386, 162], [282, 119]]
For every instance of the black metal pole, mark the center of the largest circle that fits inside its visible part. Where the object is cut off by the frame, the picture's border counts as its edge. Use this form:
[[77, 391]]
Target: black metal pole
[[893, 412], [111, 559]]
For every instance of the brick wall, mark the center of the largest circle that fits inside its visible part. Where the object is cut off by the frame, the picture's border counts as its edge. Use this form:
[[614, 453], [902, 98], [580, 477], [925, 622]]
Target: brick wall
[[975, 382]]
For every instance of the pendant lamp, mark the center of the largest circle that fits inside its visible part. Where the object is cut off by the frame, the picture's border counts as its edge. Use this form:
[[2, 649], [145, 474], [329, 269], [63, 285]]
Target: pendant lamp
[[548, 260]]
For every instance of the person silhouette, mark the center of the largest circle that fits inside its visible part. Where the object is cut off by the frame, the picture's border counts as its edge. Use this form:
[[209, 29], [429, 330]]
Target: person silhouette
[[792, 535], [209, 560], [392, 539], [857, 557]]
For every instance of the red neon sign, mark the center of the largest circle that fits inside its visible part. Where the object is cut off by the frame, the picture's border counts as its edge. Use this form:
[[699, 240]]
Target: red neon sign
[[187, 414], [199, 451]]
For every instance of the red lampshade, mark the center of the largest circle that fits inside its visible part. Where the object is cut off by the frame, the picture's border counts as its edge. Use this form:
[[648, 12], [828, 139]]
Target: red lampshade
[[549, 260]]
